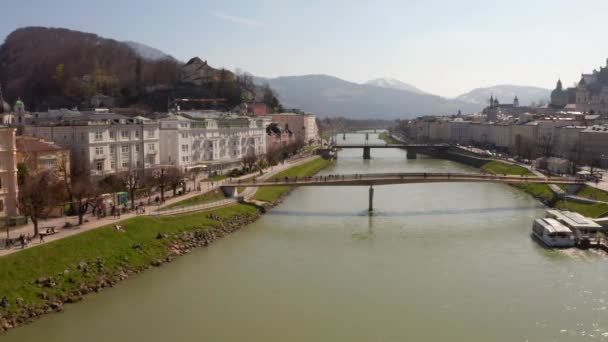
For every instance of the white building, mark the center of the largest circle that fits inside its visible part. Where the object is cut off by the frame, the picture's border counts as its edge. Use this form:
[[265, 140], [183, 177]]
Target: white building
[[103, 143], [210, 143], [8, 174]]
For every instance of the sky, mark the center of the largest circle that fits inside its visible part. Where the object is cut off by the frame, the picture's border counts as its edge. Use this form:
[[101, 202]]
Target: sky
[[445, 47]]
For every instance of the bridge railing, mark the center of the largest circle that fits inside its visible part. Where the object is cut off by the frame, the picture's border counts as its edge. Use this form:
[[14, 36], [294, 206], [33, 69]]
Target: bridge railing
[[409, 175]]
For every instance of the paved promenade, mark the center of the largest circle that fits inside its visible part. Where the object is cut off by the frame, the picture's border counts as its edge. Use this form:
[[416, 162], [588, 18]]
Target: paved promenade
[[92, 222]]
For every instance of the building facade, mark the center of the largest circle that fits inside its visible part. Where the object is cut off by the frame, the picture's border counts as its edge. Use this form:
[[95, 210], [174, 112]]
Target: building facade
[[8, 173], [39, 155], [213, 143], [103, 143], [278, 137], [303, 126]]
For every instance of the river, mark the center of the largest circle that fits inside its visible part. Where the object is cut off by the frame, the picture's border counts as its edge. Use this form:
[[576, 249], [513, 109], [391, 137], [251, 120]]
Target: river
[[436, 262]]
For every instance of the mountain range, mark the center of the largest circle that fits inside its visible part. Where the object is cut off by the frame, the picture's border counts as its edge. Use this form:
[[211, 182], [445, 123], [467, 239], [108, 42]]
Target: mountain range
[[506, 94], [392, 83], [385, 98], [50, 67]]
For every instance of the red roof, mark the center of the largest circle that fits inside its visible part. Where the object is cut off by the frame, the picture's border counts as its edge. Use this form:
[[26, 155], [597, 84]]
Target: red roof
[[30, 144]]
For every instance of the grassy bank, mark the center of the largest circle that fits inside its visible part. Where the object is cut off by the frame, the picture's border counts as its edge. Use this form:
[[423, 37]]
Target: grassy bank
[[271, 194], [39, 280], [590, 192], [83, 258], [544, 192], [589, 210], [387, 138], [212, 196], [540, 191]]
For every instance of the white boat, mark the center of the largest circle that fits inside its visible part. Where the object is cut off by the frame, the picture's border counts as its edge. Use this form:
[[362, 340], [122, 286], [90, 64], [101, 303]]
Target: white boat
[[552, 233]]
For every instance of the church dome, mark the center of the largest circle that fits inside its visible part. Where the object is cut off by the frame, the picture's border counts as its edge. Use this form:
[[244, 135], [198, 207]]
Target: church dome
[[19, 104]]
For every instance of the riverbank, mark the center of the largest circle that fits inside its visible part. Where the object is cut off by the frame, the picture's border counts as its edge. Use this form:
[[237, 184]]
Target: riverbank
[[274, 194], [42, 279], [544, 193]]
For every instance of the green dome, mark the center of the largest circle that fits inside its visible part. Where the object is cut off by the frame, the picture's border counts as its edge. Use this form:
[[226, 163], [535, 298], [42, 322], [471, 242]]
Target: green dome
[[19, 105]]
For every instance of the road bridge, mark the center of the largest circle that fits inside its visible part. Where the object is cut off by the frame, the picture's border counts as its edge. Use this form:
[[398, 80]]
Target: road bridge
[[412, 149], [376, 179]]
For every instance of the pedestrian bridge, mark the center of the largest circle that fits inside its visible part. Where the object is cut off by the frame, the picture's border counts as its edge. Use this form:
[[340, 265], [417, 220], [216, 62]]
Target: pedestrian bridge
[[372, 179], [412, 149]]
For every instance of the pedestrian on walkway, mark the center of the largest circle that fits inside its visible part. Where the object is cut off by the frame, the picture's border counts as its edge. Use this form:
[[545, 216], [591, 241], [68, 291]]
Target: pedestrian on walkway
[[41, 238]]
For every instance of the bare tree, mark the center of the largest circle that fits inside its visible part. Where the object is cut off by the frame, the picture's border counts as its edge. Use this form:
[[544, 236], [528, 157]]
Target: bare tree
[[175, 178], [545, 145], [84, 195], [132, 181], [250, 161], [38, 195], [161, 180]]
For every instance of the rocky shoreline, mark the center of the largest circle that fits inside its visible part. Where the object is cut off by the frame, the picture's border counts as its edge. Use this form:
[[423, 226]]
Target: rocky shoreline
[[19, 312]]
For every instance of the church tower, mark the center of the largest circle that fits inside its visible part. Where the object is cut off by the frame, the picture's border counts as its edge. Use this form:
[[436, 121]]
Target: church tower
[[516, 102]]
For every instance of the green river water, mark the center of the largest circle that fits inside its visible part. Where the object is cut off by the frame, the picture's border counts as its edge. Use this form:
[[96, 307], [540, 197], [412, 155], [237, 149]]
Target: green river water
[[436, 262]]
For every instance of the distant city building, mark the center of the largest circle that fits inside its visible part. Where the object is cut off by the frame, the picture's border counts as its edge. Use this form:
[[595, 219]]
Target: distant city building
[[278, 137], [252, 108], [101, 143], [303, 126], [589, 95], [495, 109]]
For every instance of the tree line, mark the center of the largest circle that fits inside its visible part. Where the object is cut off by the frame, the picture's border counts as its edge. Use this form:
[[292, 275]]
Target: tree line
[[75, 193]]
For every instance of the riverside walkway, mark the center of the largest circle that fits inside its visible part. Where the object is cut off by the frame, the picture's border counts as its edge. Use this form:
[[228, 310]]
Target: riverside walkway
[[92, 222]]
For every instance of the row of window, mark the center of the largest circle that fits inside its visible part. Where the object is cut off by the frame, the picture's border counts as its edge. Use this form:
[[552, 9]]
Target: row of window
[[99, 150], [99, 165], [124, 134]]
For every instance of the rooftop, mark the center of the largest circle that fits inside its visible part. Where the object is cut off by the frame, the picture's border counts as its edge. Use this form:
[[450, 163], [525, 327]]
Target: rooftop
[[32, 144], [572, 219], [553, 225]]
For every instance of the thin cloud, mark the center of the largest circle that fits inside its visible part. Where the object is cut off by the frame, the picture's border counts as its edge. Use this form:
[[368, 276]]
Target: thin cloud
[[236, 20]]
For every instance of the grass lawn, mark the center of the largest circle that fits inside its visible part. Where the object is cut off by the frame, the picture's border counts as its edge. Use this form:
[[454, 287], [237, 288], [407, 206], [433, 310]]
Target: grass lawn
[[212, 196], [216, 178], [593, 193], [388, 139], [500, 168], [19, 271], [271, 194], [541, 191], [589, 210]]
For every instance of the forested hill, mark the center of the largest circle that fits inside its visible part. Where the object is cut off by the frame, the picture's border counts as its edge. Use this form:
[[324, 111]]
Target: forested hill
[[56, 67]]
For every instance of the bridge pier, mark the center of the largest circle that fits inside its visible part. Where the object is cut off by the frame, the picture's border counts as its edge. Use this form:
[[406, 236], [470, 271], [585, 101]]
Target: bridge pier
[[371, 198], [412, 154], [230, 191], [367, 154]]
